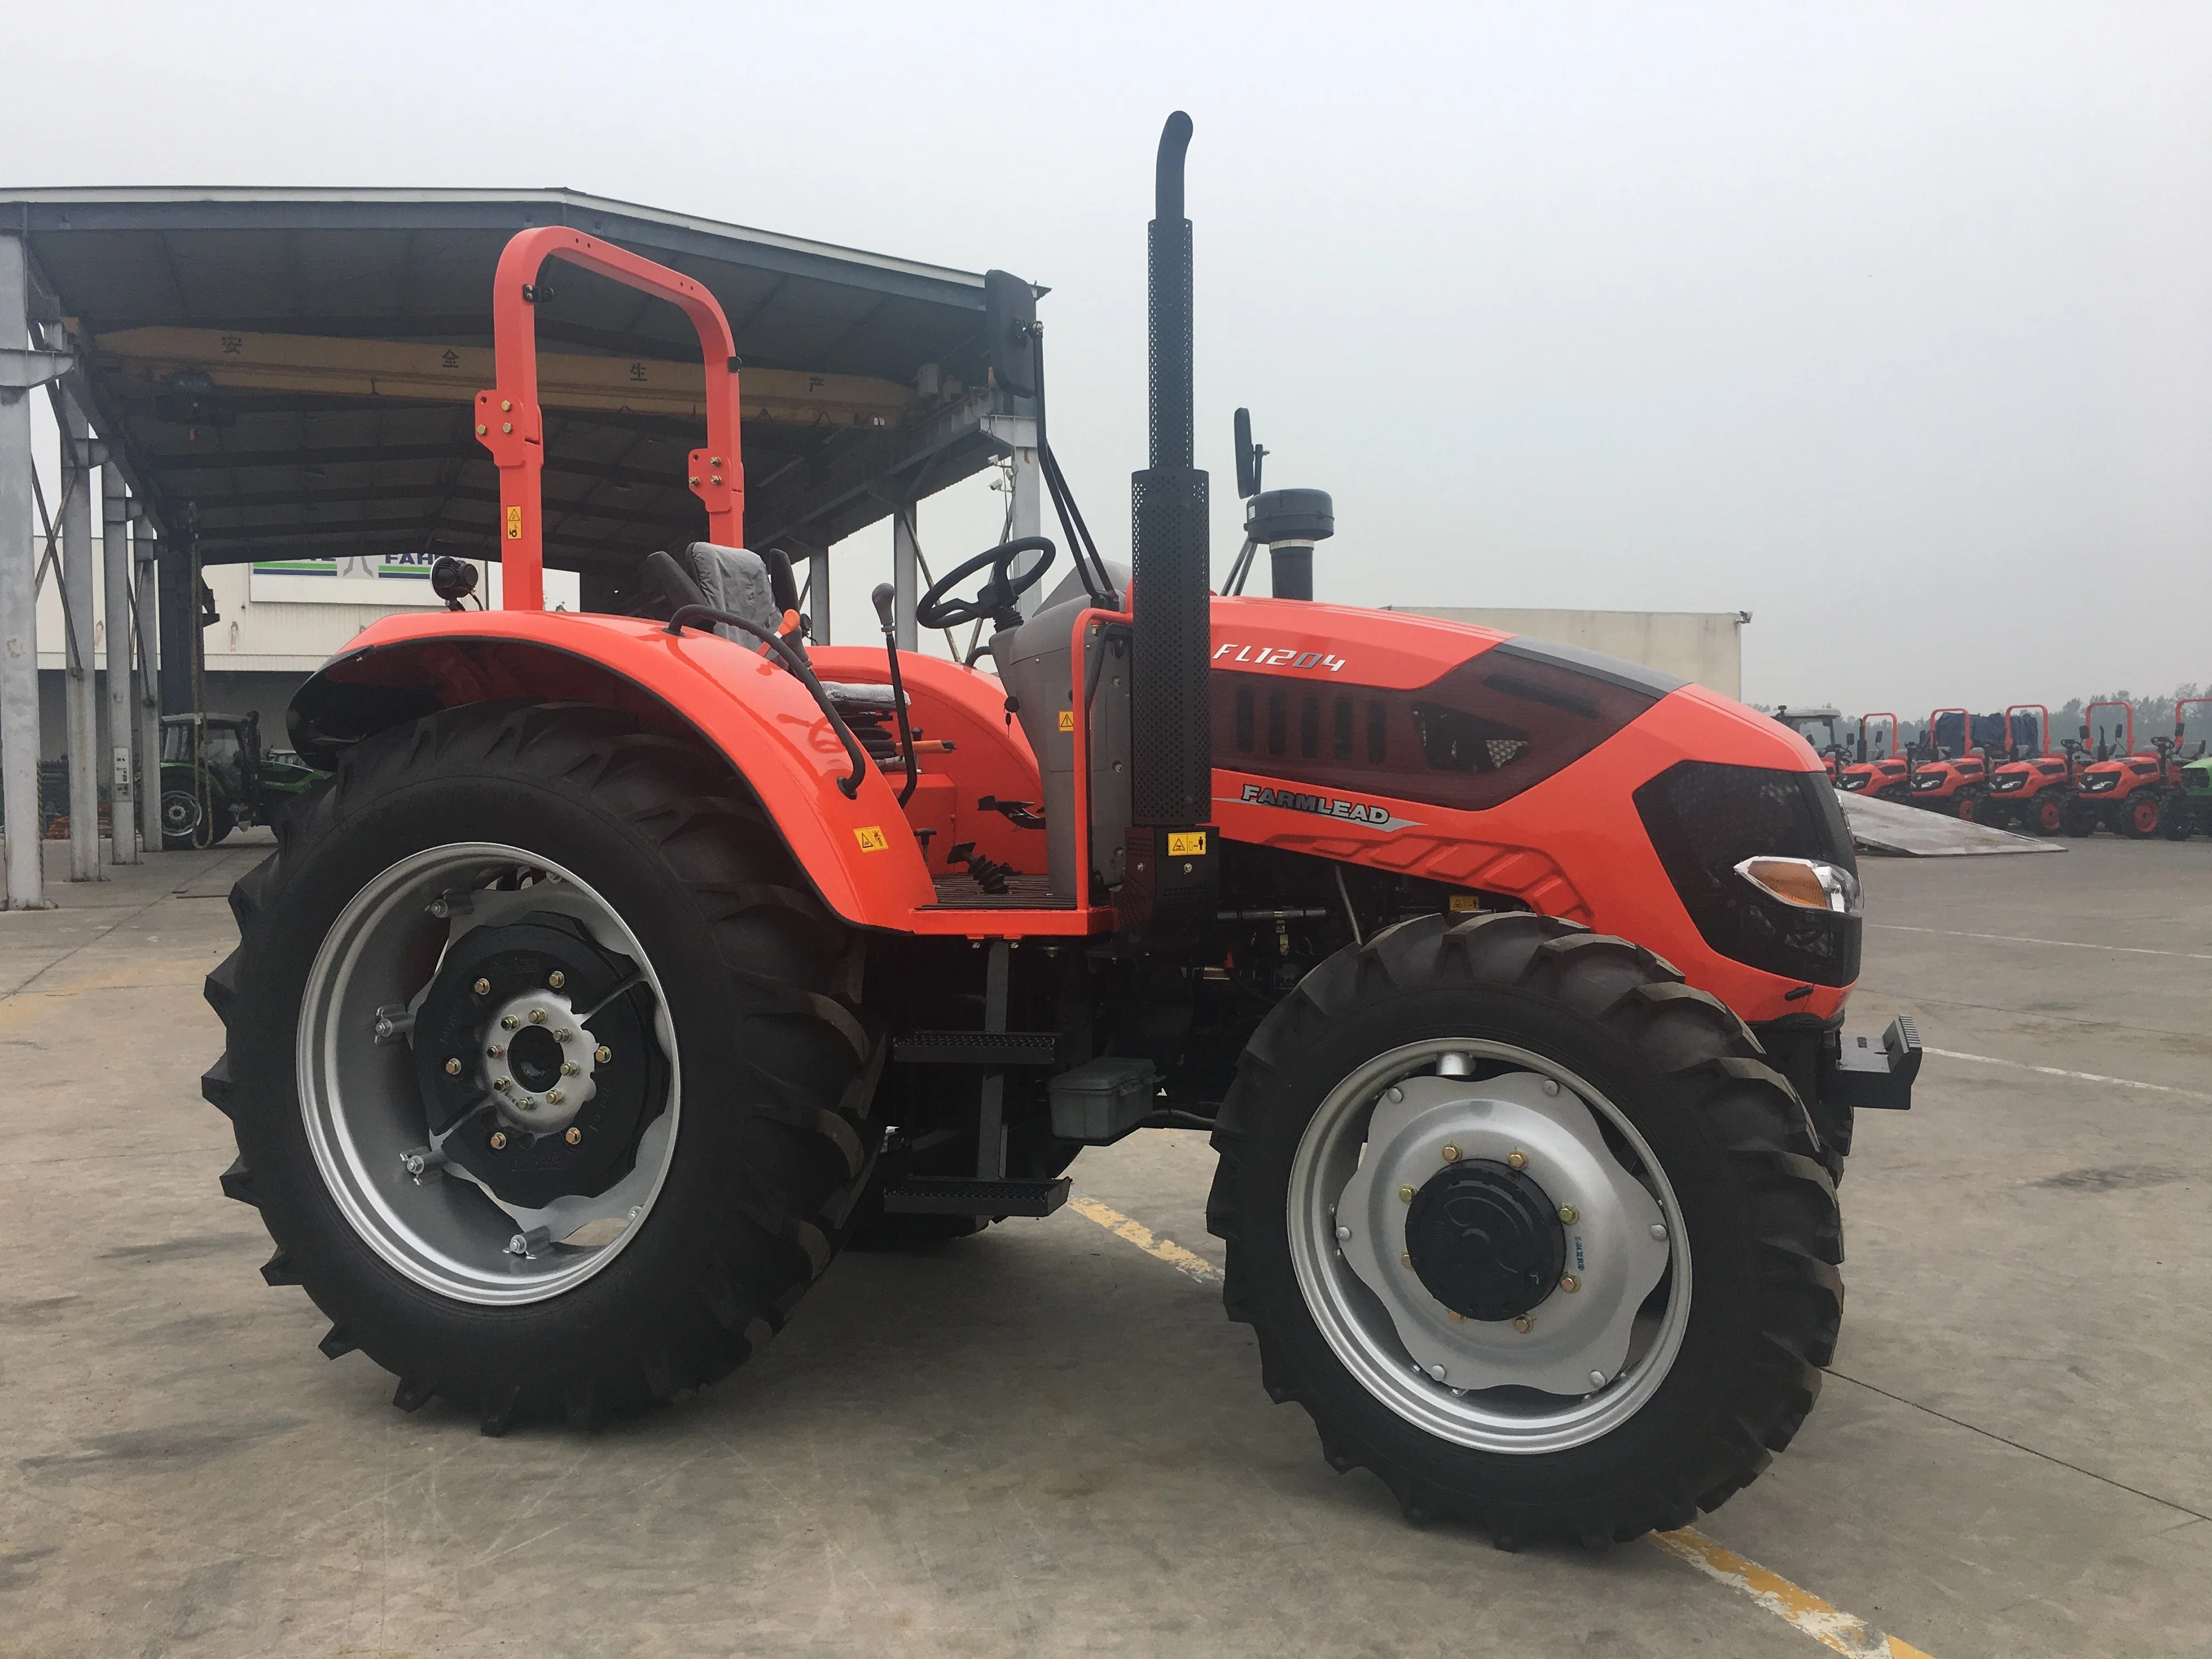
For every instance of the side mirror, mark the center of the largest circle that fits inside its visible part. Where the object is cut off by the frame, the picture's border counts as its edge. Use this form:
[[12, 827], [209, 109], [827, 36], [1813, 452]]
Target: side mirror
[[1010, 332], [1249, 456]]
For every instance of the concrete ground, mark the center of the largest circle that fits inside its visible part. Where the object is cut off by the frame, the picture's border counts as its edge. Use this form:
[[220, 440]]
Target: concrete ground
[[1045, 1439]]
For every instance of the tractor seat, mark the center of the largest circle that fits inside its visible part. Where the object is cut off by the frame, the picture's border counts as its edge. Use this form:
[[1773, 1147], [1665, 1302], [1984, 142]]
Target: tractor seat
[[735, 579]]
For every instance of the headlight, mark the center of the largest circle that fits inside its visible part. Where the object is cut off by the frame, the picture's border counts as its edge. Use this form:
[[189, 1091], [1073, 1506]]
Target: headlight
[[1928, 783], [1809, 883], [1857, 783]]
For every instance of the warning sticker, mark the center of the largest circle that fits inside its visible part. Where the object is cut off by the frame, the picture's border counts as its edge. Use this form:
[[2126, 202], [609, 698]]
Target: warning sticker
[[871, 838], [1067, 719], [1185, 844], [514, 524]]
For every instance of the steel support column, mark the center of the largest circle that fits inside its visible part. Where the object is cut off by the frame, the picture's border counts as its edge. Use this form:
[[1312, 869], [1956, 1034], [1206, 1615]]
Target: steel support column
[[79, 692], [146, 687], [19, 608], [906, 561], [178, 611], [122, 713]]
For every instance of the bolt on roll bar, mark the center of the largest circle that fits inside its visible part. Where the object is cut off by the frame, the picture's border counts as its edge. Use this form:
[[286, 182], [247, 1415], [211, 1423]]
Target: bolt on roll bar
[[510, 425]]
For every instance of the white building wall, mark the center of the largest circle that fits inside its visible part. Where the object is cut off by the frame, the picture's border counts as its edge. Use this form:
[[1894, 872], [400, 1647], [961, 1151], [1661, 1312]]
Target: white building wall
[[1704, 646]]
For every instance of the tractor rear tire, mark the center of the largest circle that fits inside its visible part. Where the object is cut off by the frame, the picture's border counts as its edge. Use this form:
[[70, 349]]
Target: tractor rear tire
[[1730, 1147], [764, 1151], [2179, 821], [2078, 820]]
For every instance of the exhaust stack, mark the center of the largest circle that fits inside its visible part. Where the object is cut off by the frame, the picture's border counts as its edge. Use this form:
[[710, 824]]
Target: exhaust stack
[[1171, 749]]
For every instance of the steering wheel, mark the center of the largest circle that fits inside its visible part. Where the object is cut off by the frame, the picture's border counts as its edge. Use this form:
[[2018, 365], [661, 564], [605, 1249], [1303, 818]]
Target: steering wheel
[[938, 608]]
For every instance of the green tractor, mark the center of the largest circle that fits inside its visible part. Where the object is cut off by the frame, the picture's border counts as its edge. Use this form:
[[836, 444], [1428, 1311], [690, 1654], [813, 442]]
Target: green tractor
[[2189, 811], [215, 776]]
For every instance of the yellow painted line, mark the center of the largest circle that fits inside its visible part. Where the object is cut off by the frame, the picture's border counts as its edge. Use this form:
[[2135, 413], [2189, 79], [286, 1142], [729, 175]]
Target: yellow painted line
[[1831, 1627], [1165, 1250]]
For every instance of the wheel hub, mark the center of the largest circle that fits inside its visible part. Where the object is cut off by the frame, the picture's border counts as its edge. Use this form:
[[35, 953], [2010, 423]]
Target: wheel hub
[[1528, 1218], [1486, 1240], [534, 1061]]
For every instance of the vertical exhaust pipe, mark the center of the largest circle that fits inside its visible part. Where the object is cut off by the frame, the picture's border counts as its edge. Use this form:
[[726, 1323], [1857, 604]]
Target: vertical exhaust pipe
[[1170, 740]]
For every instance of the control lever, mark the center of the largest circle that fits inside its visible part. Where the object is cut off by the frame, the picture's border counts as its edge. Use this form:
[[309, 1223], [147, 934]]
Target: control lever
[[1019, 813], [885, 599]]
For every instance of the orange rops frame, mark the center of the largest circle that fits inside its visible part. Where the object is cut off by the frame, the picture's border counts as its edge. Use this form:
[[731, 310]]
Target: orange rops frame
[[510, 425]]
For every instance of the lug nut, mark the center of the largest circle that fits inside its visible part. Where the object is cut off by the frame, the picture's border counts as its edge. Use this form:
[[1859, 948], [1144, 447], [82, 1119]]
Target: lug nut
[[536, 1016], [557, 979], [1394, 1094], [496, 1050], [453, 1068], [1550, 1085], [1405, 1258], [503, 1083], [1524, 1324], [1438, 1372], [567, 1068], [499, 1140], [553, 1096], [1597, 1379], [562, 1035], [1659, 1230], [1451, 1154], [1405, 1194], [574, 1136], [1455, 1317], [1344, 1232], [525, 1103], [603, 1054], [1570, 1214], [481, 988], [1570, 1283], [1517, 1158], [508, 1022]]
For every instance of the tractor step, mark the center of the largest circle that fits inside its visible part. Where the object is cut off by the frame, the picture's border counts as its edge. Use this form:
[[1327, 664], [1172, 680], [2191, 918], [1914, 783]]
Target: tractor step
[[968, 1195], [978, 1049]]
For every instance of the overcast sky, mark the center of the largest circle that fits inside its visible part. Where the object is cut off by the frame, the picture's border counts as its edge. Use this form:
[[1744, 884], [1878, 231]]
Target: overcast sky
[[1892, 325]]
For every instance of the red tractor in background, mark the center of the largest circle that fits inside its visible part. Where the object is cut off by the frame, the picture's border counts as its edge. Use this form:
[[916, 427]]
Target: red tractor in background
[[1884, 773], [2131, 794], [2031, 788], [1953, 782], [614, 983]]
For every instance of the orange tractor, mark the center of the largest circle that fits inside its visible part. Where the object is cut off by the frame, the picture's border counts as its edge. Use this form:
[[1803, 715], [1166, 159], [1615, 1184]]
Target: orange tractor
[[614, 983], [2129, 793], [1952, 782], [1884, 772], [2030, 790]]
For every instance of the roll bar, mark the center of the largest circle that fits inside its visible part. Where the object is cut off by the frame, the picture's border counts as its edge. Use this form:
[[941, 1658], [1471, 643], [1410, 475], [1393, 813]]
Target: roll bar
[[2043, 731], [1865, 747], [2129, 746], [512, 427], [1966, 733]]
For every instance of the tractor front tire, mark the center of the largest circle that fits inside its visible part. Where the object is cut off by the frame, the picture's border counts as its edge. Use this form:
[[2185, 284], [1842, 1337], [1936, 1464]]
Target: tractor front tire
[[747, 1147], [2048, 818], [1564, 1023], [2141, 817], [2179, 821], [2078, 820]]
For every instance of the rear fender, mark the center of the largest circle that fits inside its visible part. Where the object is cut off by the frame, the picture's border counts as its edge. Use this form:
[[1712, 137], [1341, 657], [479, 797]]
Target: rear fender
[[858, 854]]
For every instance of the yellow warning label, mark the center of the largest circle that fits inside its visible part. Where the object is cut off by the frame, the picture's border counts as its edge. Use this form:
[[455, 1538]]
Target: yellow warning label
[[1465, 902], [871, 838], [514, 524], [1189, 843], [1067, 719]]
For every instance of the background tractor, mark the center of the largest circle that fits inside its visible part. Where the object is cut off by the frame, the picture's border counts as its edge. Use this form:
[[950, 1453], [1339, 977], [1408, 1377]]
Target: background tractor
[[613, 983], [2031, 789], [1953, 781], [1823, 731], [217, 777], [2189, 810], [2129, 793], [1882, 769]]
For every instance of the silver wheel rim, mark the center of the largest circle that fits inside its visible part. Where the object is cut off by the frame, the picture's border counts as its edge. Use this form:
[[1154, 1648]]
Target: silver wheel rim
[[180, 813], [439, 1226], [1377, 1335]]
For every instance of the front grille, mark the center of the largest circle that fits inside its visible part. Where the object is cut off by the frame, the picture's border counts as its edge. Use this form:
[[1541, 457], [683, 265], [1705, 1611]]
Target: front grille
[[1705, 818]]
